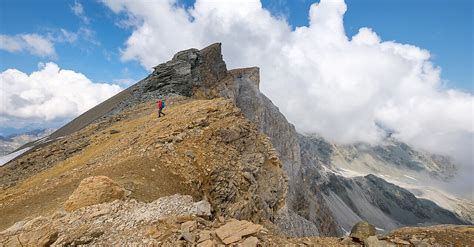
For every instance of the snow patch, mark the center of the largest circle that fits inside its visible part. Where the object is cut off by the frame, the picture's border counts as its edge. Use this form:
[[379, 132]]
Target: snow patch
[[410, 177], [5, 159], [349, 173]]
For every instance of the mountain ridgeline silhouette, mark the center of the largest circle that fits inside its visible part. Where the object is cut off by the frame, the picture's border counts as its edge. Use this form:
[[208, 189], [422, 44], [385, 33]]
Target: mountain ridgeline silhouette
[[221, 129]]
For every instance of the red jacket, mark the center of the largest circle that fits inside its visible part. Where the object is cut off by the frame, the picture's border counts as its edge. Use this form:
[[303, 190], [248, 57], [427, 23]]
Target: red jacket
[[159, 104]]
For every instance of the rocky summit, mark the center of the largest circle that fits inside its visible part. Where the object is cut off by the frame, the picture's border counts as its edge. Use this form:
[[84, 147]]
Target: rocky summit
[[222, 167]]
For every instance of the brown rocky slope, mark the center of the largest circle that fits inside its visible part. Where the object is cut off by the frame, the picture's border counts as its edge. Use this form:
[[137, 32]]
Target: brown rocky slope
[[204, 148]]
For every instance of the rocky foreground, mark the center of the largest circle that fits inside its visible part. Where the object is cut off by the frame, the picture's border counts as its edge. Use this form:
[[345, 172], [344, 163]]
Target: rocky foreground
[[99, 213]]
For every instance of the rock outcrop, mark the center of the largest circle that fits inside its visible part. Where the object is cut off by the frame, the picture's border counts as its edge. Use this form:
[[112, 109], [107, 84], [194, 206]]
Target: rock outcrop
[[242, 87], [235, 230], [94, 190], [362, 230]]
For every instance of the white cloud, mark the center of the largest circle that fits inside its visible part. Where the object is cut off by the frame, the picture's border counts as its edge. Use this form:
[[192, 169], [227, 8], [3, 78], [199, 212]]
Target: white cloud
[[78, 10], [38, 45], [33, 43], [321, 79], [49, 94], [10, 44]]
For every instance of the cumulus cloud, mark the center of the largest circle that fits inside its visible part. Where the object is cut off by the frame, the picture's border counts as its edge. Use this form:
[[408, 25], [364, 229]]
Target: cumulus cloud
[[49, 94], [33, 43], [342, 87]]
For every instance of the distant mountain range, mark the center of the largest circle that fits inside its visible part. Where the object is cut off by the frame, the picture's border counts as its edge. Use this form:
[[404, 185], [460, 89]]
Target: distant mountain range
[[10, 143]]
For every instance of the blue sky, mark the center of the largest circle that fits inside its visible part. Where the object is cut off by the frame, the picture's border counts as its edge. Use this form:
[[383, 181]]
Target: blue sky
[[98, 58], [444, 27]]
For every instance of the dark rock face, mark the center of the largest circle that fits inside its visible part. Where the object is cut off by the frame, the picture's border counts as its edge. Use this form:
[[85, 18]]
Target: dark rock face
[[241, 86], [309, 201], [391, 152], [315, 151], [404, 206], [188, 69], [175, 76], [383, 204], [399, 155], [212, 67]]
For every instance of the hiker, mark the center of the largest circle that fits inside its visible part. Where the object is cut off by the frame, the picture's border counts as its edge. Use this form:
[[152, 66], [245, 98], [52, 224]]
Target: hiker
[[160, 104]]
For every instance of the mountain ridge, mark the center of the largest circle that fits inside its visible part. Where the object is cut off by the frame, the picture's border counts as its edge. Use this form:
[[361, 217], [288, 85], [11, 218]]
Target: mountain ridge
[[313, 205]]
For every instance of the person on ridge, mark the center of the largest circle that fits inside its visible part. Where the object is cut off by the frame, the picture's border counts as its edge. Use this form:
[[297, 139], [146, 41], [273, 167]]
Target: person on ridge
[[160, 104]]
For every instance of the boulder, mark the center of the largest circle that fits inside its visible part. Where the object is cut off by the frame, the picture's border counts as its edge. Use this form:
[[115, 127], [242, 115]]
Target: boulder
[[40, 237], [94, 190], [189, 226], [362, 230], [204, 236], [188, 236], [249, 242], [39, 231], [202, 208], [235, 230]]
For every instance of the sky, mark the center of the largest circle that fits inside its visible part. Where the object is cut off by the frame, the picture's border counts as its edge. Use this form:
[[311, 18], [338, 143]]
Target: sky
[[444, 27], [347, 70]]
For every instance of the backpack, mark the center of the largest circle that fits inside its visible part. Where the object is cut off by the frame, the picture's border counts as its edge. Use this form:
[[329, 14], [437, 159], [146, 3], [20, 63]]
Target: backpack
[[160, 104]]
